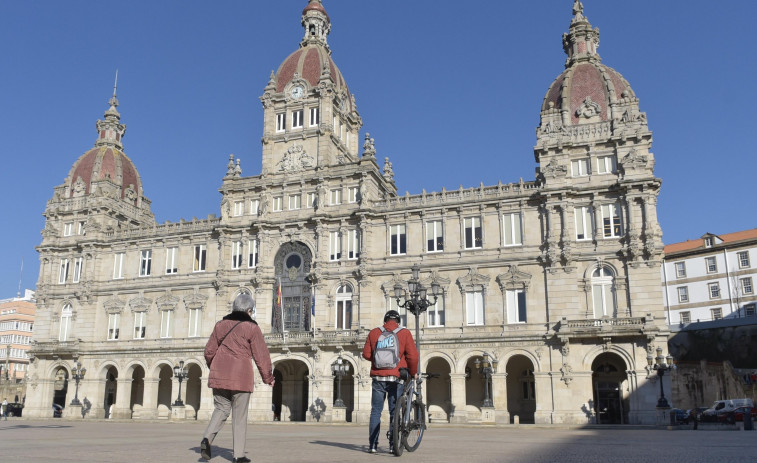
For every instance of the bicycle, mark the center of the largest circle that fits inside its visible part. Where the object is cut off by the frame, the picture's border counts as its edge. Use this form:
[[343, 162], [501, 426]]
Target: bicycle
[[409, 420]]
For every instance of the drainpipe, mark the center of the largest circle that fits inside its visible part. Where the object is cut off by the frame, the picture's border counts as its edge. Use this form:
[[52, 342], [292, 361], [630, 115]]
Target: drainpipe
[[667, 299]]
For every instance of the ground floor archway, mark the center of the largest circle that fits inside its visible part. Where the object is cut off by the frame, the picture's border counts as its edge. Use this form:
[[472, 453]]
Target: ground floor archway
[[611, 404], [438, 392], [521, 389], [290, 394]]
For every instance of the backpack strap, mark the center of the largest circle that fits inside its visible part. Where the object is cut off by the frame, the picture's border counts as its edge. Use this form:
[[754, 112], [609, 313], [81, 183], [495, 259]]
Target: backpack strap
[[382, 329]]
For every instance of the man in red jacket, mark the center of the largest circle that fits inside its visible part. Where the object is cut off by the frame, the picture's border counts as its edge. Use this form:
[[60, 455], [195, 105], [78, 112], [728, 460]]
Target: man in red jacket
[[386, 374], [235, 341]]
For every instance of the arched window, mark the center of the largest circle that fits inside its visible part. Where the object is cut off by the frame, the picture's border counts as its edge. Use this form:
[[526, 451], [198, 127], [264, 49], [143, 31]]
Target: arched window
[[344, 307], [65, 322], [603, 292]]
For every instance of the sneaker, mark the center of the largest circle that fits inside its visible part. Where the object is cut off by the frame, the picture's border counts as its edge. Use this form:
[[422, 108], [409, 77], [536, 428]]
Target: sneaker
[[372, 450], [205, 449]]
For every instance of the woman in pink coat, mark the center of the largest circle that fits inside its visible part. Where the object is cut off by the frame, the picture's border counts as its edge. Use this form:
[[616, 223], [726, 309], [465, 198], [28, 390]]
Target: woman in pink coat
[[235, 341]]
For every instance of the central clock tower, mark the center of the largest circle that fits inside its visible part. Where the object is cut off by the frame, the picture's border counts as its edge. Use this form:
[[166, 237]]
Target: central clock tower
[[310, 118]]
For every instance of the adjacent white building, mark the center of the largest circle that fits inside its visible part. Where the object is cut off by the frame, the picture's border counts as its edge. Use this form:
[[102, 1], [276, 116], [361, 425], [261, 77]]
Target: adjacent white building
[[711, 278]]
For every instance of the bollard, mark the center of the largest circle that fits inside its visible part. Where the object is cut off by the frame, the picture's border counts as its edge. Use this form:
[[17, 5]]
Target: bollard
[[748, 425]]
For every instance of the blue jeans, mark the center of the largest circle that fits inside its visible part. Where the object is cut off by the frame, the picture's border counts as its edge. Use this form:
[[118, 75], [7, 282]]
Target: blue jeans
[[382, 390]]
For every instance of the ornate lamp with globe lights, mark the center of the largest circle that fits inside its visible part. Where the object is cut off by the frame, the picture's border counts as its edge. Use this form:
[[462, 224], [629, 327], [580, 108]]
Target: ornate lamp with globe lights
[[416, 300], [77, 374], [661, 365], [180, 372], [339, 370], [487, 368]]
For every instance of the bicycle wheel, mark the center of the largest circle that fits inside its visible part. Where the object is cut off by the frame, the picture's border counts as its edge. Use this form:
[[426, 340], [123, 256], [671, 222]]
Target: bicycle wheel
[[398, 426], [417, 424]]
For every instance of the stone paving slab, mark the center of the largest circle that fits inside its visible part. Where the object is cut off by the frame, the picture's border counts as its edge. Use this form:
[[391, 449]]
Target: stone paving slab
[[58, 440]]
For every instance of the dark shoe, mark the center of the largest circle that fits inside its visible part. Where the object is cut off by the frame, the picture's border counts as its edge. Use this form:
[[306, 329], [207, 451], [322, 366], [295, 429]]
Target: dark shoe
[[205, 449], [241, 460]]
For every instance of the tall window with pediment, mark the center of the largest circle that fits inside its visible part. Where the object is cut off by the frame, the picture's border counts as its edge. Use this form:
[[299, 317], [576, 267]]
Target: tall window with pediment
[[139, 325], [195, 317], [474, 307], [292, 296], [516, 306], [113, 326], [344, 307], [65, 322], [165, 323], [603, 292], [435, 313]]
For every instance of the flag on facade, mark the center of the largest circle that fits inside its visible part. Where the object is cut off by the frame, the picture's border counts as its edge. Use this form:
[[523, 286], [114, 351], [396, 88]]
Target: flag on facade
[[278, 295], [312, 308]]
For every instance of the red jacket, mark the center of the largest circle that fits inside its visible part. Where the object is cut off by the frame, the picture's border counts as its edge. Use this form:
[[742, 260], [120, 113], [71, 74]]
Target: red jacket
[[230, 364], [408, 353]]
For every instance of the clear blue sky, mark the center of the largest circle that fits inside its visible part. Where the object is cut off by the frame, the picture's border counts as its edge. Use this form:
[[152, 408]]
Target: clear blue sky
[[450, 90]]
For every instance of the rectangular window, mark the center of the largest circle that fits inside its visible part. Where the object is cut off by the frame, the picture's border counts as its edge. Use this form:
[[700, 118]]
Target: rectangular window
[[512, 225], [434, 236], [315, 116], [309, 200], [683, 294], [335, 197], [165, 323], [344, 314], [473, 234], [398, 240], [236, 254], [281, 122], [749, 310], [294, 202], [516, 306], [82, 228], [353, 244], [139, 325], [714, 290], [145, 263], [606, 165], [708, 242], [252, 256], [717, 313], [746, 285], [435, 313], [743, 259], [686, 317], [352, 194], [335, 245], [113, 320], [78, 262], [254, 205], [172, 260], [711, 264], [200, 254], [474, 307], [297, 119], [238, 208], [194, 322], [611, 220], [278, 203], [580, 167], [68, 229], [118, 266], [65, 323], [680, 269], [584, 223], [63, 274]]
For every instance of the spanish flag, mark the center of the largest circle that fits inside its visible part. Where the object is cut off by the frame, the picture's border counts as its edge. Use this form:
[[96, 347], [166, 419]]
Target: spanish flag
[[278, 295]]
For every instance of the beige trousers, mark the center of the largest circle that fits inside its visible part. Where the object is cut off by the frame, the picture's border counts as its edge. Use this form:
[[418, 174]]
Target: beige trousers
[[234, 402]]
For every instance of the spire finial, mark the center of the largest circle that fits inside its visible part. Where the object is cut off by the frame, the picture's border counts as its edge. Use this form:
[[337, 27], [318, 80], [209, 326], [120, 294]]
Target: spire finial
[[111, 131], [113, 102], [581, 41], [317, 24]]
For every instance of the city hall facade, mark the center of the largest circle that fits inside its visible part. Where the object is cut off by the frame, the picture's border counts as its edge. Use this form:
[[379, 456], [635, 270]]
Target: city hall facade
[[556, 278]]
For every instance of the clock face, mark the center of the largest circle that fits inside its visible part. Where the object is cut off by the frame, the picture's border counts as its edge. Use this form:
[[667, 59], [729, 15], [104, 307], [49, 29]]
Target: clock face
[[297, 91]]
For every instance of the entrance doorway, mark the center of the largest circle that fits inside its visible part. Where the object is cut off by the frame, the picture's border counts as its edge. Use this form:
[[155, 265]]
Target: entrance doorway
[[292, 292], [609, 378]]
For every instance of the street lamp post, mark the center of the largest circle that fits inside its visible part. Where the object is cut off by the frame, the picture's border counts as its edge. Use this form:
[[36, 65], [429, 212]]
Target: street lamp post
[[77, 374], [661, 364], [339, 369], [487, 368], [180, 372], [415, 299]]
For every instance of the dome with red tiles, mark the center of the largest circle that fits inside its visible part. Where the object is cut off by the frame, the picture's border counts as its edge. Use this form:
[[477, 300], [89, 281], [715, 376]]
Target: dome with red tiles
[[109, 164], [587, 91]]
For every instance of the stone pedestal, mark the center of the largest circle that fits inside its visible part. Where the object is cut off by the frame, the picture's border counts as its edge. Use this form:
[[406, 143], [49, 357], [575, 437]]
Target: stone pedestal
[[338, 414], [488, 415], [663, 417], [178, 412], [72, 412]]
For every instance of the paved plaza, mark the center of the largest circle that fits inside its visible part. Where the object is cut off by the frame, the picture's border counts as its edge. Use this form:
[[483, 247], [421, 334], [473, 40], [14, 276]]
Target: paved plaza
[[127, 441]]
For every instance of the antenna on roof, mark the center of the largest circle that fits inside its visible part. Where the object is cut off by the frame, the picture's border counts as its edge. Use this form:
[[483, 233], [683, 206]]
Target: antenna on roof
[[115, 85], [20, 278]]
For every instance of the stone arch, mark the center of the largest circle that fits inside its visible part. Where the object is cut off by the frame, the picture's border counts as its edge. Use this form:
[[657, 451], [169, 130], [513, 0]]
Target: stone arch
[[193, 381], [609, 386], [528, 354], [428, 355], [60, 374], [596, 351], [521, 385], [292, 388], [438, 390]]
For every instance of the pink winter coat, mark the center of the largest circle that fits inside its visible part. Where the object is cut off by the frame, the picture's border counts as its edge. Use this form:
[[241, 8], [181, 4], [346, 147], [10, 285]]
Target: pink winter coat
[[230, 363]]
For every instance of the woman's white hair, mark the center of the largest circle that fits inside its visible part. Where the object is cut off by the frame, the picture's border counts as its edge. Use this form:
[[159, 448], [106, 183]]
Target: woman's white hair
[[243, 303]]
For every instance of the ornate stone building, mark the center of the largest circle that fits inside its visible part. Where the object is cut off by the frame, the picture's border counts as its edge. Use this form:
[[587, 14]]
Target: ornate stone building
[[557, 278]]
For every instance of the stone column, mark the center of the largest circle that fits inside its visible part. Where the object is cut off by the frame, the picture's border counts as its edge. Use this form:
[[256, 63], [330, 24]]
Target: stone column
[[150, 399], [499, 396], [457, 408], [260, 410], [543, 384], [123, 399]]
